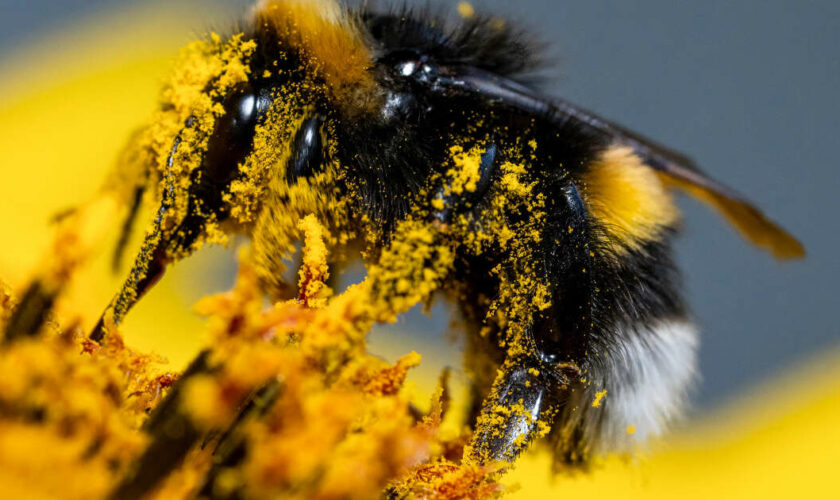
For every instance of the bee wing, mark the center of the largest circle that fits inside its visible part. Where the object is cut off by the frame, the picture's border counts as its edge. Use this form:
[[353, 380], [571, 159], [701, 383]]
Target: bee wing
[[675, 169]]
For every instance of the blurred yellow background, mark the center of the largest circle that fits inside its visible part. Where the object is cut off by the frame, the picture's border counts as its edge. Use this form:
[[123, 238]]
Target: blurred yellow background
[[67, 106]]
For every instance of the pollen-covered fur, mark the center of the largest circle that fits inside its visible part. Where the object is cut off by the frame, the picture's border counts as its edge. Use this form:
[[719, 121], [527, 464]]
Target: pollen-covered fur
[[326, 38]]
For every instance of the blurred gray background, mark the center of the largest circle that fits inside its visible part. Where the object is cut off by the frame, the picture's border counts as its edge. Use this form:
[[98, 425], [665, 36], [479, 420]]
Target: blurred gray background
[[749, 89]]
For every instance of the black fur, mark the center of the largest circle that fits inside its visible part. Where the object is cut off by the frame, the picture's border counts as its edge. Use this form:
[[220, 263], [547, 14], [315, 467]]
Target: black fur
[[482, 41]]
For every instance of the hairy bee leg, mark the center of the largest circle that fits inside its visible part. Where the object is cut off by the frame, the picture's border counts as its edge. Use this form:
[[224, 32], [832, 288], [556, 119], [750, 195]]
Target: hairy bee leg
[[520, 408], [151, 261], [526, 397]]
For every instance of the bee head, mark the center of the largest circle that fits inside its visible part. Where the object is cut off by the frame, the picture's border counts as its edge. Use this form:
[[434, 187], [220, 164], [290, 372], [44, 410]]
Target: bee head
[[247, 123], [226, 129], [251, 127]]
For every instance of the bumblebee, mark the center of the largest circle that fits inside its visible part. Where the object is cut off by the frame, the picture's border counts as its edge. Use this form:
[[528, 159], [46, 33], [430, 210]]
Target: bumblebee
[[420, 145]]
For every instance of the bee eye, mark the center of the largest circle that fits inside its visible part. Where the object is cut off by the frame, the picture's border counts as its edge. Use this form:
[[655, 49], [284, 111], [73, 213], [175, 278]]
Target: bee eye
[[234, 133], [307, 154]]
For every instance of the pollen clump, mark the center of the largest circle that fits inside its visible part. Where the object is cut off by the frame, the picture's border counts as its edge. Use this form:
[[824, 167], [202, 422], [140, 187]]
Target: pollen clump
[[512, 180], [314, 271], [599, 398], [466, 10], [464, 174]]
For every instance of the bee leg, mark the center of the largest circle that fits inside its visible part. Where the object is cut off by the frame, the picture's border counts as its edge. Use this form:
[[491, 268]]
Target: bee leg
[[521, 407], [534, 381], [153, 257]]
